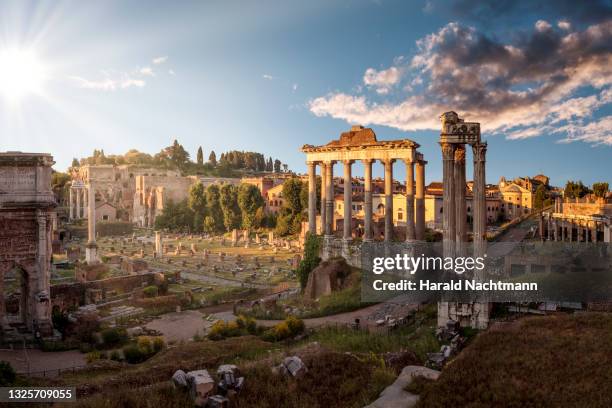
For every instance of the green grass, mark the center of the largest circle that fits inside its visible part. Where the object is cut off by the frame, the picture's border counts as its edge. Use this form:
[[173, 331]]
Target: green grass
[[419, 339]]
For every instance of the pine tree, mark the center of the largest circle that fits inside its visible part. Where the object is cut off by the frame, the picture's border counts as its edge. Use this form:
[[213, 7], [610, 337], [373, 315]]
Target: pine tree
[[212, 159], [200, 156]]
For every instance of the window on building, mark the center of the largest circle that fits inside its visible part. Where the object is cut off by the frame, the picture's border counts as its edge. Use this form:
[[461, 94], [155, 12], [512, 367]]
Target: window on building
[[105, 217]]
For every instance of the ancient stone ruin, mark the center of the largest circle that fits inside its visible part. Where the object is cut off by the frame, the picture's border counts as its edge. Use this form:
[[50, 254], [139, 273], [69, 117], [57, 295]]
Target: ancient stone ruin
[[26, 212]]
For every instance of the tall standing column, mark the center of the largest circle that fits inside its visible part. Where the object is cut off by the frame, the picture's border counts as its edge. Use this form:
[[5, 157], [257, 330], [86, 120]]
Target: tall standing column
[[312, 198], [367, 200], [448, 199], [71, 204], [91, 249], [480, 210], [420, 200], [388, 199], [85, 202], [348, 200], [460, 212], [410, 225], [594, 232], [323, 199], [329, 198], [78, 203]]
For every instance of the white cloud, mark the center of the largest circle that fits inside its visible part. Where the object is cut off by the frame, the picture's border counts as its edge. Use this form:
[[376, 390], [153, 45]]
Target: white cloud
[[267, 77], [382, 81], [542, 25], [596, 133], [171, 72], [521, 90], [160, 60], [148, 71], [109, 84], [294, 87], [564, 25]]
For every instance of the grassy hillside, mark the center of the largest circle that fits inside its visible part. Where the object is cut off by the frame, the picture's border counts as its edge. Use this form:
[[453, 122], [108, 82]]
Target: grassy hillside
[[558, 361]]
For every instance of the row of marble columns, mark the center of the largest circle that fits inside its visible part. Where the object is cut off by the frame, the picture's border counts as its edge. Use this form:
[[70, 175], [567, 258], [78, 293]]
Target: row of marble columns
[[562, 230], [415, 198], [454, 215], [77, 204]]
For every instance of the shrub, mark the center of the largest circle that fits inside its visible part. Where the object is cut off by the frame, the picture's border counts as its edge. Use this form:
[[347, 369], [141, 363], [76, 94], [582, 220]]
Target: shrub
[[144, 344], [115, 355], [150, 291], [311, 258], [220, 330], [114, 336], [282, 331], [7, 374], [296, 326], [133, 354], [158, 344], [93, 356], [247, 323]]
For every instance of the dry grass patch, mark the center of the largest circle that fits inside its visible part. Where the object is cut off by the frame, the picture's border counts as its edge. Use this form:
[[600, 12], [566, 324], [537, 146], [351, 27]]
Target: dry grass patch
[[558, 361]]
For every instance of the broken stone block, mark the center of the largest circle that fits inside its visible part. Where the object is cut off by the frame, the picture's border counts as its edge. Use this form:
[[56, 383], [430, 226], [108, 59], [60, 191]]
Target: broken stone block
[[201, 386], [293, 365], [179, 378]]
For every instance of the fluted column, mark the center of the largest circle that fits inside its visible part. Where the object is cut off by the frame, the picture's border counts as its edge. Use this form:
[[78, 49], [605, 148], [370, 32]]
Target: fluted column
[[348, 200], [312, 198], [460, 212], [410, 225], [388, 199], [448, 199], [419, 213], [480, 210], [329, 198], [323, 198], [367, 220]]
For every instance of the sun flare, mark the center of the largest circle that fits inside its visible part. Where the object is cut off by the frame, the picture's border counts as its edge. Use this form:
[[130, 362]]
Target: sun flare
[[21, 74]]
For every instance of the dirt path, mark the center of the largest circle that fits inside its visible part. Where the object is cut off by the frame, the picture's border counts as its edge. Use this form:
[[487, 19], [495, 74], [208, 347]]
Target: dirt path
[[42, 363]]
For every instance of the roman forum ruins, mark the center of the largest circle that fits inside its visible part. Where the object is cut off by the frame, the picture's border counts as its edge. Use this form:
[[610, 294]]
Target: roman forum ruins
[[361, 144], [27, 212]]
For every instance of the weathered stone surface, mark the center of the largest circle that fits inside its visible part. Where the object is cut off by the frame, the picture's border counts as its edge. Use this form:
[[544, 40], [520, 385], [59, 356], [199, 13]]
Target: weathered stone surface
[[179, 378], [26, 219], [294, 366], [326, 278], [201, 386]]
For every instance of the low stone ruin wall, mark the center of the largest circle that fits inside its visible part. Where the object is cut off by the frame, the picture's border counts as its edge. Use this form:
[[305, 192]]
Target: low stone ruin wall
[[70, 295]]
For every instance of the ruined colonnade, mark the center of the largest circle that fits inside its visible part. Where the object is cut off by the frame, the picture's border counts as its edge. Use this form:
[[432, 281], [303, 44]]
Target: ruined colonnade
[[360, 144]]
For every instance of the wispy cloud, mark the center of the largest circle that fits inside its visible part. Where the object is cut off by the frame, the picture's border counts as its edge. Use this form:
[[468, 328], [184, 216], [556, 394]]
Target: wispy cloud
[[147, 71], [267, 77], [159, 60], [109, 84]]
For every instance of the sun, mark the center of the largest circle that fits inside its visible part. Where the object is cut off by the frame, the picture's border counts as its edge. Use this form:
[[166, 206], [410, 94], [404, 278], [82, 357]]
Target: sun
[[21, 74]]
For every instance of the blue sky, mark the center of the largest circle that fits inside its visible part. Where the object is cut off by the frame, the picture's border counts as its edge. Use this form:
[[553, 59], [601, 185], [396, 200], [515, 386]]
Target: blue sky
[[272, 76]]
